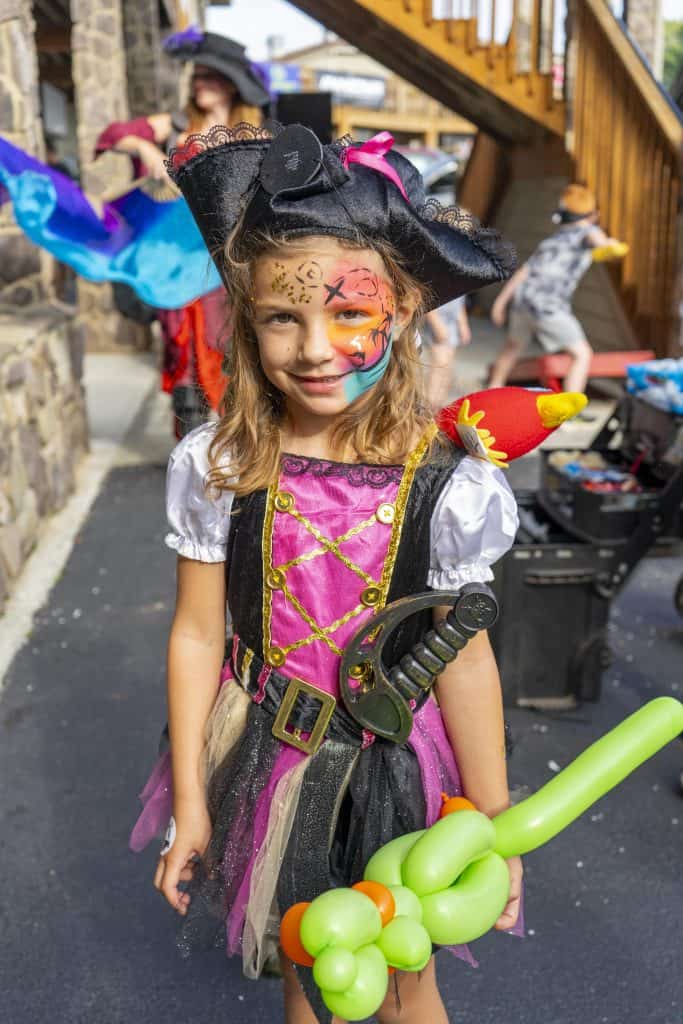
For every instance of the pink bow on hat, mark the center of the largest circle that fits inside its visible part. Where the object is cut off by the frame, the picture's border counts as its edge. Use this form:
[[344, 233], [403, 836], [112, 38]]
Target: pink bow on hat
[[371, 154]]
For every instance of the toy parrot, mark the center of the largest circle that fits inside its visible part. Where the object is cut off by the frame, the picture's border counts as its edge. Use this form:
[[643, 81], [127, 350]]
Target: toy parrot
[[501, 424]]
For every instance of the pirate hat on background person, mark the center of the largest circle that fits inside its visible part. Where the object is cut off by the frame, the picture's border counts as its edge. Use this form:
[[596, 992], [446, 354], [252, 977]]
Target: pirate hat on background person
[[223, 55], [576, 202], [286, 181]]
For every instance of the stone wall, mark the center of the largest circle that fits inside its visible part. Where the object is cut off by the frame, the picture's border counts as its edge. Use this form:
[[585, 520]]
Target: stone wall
[[22, 266], [99, 75], [153, 78], [43, 428]]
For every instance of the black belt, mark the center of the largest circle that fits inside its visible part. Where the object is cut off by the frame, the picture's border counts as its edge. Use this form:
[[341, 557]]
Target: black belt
[[297, 706]]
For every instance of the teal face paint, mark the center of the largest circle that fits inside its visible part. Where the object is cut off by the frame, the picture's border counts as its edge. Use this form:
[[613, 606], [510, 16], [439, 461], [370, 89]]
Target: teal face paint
[[359, 381]]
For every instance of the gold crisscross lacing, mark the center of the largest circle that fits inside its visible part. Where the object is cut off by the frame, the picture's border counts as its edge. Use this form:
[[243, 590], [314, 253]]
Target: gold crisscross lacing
[[327, 544]]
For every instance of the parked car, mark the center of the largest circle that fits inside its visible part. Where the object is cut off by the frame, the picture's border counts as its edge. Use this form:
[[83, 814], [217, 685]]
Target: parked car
[[438, 169]]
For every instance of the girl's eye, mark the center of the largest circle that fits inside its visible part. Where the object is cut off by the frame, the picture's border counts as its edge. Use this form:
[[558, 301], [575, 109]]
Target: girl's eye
[[353, 315], [281, 318]]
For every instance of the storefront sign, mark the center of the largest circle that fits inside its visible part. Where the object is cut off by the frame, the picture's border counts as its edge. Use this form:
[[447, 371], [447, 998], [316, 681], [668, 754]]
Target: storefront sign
[[357, 90]]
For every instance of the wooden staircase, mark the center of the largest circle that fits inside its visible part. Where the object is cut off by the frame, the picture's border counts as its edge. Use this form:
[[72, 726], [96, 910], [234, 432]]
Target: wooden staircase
[[492, 61], [443, 48]]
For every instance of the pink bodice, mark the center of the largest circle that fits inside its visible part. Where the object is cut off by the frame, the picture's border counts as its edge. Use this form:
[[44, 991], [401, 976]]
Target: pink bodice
[[328, 564]]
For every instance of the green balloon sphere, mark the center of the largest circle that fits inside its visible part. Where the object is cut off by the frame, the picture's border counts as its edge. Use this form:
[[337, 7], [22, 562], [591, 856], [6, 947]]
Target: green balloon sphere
[[367, 993], [405, 944], [335, 969], [340, 917]]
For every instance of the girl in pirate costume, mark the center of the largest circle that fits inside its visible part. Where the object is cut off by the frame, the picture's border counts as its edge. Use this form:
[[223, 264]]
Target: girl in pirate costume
[[324, 494]]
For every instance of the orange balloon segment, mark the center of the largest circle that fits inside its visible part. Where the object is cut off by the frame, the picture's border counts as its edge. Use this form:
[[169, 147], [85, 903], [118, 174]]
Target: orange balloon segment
[[289, 935], [381, 897], [451, 804]]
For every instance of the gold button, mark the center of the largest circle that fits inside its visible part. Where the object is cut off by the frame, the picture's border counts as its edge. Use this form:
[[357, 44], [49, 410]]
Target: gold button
[[276, 657], [284, 501], [358, 671], [275, 579], [371, 596], [385, 513]]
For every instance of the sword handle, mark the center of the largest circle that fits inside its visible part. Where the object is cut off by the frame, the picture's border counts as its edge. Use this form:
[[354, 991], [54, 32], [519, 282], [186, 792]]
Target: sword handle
[[380, 700]]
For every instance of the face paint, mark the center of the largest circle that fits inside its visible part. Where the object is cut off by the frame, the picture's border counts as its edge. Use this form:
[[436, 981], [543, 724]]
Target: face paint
[[297, 285], [365, 347], [359, 381]]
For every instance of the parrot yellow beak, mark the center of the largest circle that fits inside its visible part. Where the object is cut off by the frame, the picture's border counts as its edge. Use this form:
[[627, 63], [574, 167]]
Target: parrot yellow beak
[[557, 408]]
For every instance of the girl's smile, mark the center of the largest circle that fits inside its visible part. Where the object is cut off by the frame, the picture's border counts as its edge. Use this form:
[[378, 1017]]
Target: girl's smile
[[317, 385]]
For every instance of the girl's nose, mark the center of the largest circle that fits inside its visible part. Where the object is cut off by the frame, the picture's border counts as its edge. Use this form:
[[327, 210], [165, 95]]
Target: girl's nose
[[315, 345]]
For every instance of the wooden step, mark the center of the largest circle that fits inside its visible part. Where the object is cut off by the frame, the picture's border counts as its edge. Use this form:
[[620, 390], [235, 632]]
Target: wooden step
[[551, 370]]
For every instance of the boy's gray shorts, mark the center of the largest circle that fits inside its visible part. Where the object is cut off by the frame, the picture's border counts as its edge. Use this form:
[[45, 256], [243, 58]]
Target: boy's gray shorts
[[555, 333]]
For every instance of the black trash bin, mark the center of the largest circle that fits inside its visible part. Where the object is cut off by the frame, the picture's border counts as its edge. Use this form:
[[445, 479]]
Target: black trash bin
[[550, 640]]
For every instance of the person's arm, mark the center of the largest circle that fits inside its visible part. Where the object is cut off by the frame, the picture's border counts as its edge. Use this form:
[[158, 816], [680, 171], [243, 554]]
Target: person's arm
[[437, 326], [505, 295], [195, 656], [470, 698], [139, 139], [463, 321], [596, 238]]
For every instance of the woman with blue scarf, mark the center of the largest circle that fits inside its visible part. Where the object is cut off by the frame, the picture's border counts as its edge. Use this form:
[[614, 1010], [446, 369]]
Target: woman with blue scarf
[[224, 90]]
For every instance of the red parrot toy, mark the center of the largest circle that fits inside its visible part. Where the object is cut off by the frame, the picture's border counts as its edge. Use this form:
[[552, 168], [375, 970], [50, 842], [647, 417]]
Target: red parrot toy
[[501, 424]]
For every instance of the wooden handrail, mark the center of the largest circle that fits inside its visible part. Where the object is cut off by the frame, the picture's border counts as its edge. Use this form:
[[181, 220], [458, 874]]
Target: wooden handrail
[[627, 149], [639, 75]]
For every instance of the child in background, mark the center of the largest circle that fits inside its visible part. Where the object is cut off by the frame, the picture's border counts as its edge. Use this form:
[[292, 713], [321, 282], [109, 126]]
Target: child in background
[[444, 330], [540, 292], [324, 492]]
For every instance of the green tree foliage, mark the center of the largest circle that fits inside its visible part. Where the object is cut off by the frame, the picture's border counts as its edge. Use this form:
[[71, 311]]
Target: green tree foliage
[[673, 51]]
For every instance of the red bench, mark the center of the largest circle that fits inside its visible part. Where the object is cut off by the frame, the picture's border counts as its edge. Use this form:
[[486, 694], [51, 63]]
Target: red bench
[[550, 370]]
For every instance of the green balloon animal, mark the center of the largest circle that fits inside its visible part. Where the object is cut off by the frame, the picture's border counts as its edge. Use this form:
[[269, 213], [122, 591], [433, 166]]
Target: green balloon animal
[[448, 884]]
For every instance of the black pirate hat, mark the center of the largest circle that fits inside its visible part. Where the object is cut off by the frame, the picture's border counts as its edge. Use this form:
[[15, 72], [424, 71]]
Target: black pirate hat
[[287, 181], [223, 55]]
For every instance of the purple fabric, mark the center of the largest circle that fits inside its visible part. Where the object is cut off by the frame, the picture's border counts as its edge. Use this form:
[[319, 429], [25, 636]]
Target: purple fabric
[[73, 215], [190, 36], [435, 757], [288, 758], [157, 799]]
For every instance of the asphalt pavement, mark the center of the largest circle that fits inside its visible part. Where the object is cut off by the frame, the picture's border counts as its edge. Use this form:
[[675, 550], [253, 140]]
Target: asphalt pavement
[[86, 940]]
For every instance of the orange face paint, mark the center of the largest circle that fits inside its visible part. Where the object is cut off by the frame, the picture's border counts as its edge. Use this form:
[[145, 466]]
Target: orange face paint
[[364, 342]]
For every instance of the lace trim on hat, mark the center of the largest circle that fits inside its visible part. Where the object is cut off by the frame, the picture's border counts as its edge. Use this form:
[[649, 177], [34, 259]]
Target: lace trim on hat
[[220, 135], [502, 253]]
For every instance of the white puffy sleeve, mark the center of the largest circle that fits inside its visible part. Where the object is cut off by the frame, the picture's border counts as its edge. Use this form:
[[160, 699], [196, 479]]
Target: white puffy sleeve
[[473, 525], [199, 524]]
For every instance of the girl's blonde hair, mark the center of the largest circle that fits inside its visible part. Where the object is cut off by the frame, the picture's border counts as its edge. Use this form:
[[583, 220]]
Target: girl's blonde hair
[[381, 426]]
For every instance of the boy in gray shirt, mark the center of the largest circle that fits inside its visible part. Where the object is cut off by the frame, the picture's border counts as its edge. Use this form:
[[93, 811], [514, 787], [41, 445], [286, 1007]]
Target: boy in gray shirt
[[541, 291]]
